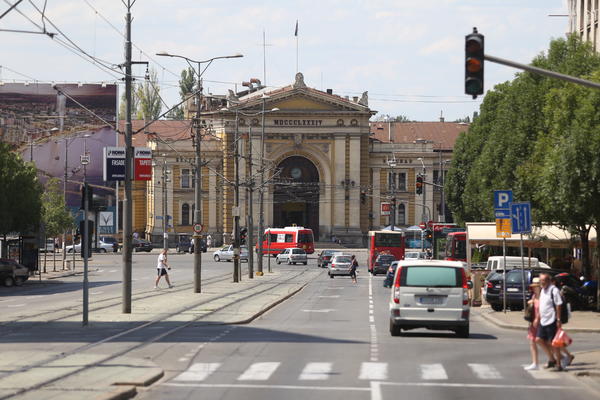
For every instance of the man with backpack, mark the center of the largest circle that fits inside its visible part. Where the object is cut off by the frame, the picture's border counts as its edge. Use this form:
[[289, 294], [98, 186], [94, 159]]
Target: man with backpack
[[550, 307]]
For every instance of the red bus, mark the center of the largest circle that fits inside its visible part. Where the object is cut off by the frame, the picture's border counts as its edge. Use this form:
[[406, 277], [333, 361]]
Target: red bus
[[275, 240], [456, 246], [385, 242]]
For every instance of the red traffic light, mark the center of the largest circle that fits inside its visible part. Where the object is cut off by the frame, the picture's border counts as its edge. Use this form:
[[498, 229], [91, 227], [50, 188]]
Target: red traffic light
[[474, 57]]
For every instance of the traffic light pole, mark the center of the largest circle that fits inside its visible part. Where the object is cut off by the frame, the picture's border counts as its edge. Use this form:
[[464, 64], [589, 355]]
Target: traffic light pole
[[236, 208], [198, 188]]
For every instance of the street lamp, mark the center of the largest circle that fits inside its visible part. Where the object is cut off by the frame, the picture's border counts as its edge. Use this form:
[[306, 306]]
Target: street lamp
[[85, 160], [197, 160]]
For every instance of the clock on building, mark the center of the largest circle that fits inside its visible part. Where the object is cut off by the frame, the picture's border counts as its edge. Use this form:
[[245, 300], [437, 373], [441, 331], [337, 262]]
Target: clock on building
[[296, 173]]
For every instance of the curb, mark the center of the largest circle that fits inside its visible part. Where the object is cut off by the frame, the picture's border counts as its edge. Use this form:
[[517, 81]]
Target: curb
[[146, 381], [120, 393], [505, 325]]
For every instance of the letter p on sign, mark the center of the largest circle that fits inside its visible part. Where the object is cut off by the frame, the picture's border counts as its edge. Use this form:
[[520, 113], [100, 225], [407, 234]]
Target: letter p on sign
[[503, 198]]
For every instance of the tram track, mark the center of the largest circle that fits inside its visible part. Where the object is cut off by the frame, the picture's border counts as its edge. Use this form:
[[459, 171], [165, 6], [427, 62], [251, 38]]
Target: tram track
[[180, 325]]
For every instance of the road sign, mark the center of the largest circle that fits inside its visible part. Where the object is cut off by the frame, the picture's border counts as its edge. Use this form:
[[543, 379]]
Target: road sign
[[84, 159], [198, 228], [502, 199], [422, 225], [114, 164], [503, 227], [502, 213], [142, 164], [385, 209], [521, 217]]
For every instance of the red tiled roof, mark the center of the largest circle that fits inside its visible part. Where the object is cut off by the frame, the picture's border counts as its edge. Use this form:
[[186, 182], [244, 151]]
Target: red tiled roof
[[444, 133]]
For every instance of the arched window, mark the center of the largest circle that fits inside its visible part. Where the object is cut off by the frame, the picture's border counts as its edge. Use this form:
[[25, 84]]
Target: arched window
[[401, 220], [185, 214]]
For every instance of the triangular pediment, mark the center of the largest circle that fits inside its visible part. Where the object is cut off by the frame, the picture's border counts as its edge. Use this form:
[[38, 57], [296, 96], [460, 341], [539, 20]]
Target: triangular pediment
[[301, 102]]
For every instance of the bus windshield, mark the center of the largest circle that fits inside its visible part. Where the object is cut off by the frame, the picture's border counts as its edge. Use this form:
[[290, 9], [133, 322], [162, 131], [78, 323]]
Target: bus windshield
[[305, 237]]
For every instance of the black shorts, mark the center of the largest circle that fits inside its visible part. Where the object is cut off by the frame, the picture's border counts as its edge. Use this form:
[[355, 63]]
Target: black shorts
[[547, 332], [161, 271], [353, 274]]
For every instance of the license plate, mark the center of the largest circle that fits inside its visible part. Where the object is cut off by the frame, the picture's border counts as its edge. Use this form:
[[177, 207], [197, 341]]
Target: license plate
[[431, 300], [512, 289]]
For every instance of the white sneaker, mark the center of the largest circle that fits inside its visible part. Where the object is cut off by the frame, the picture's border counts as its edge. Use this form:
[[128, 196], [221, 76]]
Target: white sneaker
[[156, 287], [564, 361], [531, 367]]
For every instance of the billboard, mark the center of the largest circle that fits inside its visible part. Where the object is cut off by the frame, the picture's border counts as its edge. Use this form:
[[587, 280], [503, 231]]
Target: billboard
[[114, 164], [142, 164], [49, 125]]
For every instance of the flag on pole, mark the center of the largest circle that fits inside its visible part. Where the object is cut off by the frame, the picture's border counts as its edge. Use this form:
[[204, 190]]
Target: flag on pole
[[296, 31]]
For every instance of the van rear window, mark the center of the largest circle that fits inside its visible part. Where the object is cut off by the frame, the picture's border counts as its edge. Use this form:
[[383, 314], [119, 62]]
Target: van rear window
[[431, 277]]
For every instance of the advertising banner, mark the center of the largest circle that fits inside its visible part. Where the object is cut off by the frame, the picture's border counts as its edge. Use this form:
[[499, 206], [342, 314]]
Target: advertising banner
[[142, 164], [385, 209], [113, 164]]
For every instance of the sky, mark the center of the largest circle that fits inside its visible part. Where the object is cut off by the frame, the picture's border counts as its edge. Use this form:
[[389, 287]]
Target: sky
[[409, 55]]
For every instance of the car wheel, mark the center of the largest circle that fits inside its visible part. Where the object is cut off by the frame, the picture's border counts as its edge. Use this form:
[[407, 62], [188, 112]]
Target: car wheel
[[304, 263], [19, 281], [462, 331], [497, 307], [70, 251], [331, 276], [395, 330], [289, 262], [9, 281], [217, 258], [278, 261], [102, 250], [374, 273]]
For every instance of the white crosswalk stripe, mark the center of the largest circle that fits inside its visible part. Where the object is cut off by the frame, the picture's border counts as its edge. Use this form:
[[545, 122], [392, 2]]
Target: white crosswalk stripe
[[316, 371], [485, 371], [198, 372], [433, 371], [375, 371], [260, 371]]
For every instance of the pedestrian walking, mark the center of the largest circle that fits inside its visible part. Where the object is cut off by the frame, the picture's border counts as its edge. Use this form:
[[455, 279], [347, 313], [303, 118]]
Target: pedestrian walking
[[534, 316], [353, 266], [209, 241], [162, 266], [549, 309]]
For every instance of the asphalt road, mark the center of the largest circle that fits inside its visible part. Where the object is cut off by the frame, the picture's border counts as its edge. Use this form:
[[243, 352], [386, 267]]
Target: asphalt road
[[328, 342]]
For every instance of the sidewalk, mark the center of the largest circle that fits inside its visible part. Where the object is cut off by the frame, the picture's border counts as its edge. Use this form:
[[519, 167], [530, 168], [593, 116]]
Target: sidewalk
[[586, 366], [88, 365]]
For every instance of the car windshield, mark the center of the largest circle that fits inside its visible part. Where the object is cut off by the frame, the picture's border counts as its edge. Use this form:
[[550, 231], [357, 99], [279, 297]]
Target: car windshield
[[342, 259], [431, 276], [514, 276]]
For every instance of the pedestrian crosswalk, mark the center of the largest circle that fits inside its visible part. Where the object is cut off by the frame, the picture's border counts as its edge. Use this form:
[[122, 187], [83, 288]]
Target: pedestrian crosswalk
[[366, 371]]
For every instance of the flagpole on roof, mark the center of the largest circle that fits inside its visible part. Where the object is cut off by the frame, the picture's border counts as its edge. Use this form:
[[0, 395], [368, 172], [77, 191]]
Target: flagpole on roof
[[296, 34]]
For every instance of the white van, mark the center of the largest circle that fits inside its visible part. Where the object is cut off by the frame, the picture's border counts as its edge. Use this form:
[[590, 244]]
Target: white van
[[430, 294], [496, 263]]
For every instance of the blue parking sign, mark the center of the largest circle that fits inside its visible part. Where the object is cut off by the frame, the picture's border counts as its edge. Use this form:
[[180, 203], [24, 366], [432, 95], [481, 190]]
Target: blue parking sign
[[502, 199], [521, 217]]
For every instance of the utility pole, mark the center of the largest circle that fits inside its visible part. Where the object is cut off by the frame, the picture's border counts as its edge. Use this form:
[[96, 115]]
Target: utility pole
[[236, 204], [249, 217], [198, 187], [85, 245], [165, 209], [127, 200], [261, 189]]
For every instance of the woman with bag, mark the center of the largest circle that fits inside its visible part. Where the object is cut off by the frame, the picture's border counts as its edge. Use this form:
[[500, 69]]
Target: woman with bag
[[532, 315]]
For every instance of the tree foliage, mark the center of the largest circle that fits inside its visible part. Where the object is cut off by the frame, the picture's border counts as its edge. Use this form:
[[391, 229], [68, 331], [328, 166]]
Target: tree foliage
[[187, 83], [148, 93], [55, 214], [20, 197]]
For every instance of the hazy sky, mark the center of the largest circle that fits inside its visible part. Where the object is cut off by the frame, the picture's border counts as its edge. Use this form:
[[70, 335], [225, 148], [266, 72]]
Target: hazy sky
[[408, 54]]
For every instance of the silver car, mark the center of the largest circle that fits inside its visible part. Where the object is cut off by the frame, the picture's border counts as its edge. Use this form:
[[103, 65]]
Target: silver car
[[292, 255], [226, 253], [341, 264]]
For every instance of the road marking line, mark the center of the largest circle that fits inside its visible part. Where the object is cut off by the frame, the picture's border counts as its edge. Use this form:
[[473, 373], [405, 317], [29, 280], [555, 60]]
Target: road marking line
[[250, 386], [335, 296], [183, 359], [326, 310], [260, 371], [433, 371], [316, 371], [97, 292], [373, 371], [485, 371], [484, 385], [198, 372], [371, 318], [335, 288], [542, 374], [15, 305], [112, 270]]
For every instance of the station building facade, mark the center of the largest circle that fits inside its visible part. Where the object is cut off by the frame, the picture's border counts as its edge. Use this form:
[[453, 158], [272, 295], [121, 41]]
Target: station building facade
[[324, 165]]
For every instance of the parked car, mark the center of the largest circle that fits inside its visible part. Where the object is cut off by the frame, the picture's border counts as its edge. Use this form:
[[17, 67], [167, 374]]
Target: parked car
[[292, 255], [389, 277], [430, 294], [494, 293], [226, 253], [203, 246], [382, 263], [340, 265], [12, 273], [49, 246], [415, 255], [142, 245], [325, 257], [109, 241], [184, 244], [103, 247]]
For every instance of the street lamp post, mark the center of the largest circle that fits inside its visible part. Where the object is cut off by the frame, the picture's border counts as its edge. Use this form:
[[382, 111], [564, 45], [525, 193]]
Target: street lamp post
[[165, 209], [86, 231], [261, 191], [197, 159]]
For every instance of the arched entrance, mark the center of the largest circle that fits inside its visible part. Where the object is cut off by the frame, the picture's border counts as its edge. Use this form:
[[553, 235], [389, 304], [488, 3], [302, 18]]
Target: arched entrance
[[296, 194]]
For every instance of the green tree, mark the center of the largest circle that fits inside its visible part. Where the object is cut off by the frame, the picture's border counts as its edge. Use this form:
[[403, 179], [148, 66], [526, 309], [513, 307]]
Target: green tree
[[187, 83], [135, 103], [148, 93], [55, 215], [20, 197]]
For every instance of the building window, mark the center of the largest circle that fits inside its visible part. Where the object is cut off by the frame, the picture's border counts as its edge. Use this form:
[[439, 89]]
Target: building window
[[401, 217], [185, 214], [185, 178], [402, 181]]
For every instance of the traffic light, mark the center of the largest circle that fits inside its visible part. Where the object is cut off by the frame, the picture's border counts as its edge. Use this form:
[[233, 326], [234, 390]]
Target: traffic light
[[428, 234], [243, 233], [419, 184], [474, 56]]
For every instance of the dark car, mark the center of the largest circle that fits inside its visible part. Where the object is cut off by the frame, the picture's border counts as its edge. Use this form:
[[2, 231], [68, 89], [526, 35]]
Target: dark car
[[184, 244], [203, 247], [142, 245], [514, 283], [12, 273], [389, 277], [325, 257], [382, 263]]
